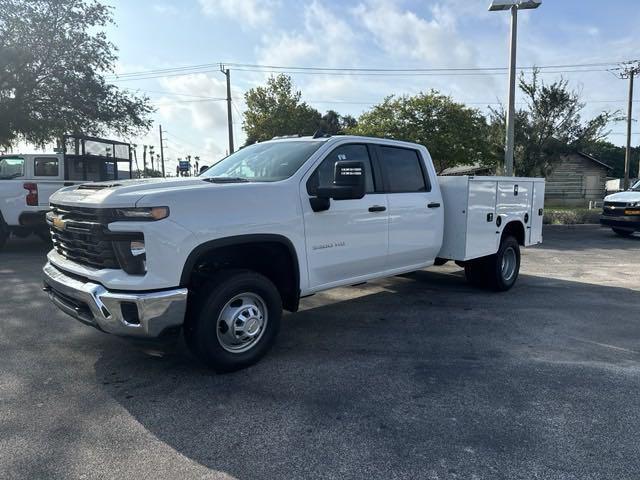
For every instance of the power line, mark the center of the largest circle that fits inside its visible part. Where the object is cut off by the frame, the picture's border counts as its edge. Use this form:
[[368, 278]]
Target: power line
[[209, 67], [170, 93], [189, 101]]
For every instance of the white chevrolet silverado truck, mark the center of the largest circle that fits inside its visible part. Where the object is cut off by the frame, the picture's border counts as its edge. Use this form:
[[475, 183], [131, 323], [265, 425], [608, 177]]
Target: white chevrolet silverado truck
[[621, 211], [28, 180], [219, 256]]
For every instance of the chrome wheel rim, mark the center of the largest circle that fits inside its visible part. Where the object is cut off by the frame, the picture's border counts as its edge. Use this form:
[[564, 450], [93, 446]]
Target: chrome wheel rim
[[242, 322], [509, 261]]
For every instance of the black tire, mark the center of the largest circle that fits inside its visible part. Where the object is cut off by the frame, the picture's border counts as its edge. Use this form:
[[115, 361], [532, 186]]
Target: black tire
[[495, 272], [440, 261], [4, 233], [488, 272], [622, 232], [205, 332], [475, 271], [44, 235]]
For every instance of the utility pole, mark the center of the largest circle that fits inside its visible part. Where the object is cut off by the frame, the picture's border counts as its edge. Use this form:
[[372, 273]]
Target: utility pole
[[629, 70], [162, 151], [227, 74], [135, 157], [153, 167], [511, 108], [144, 159], [513, 6]]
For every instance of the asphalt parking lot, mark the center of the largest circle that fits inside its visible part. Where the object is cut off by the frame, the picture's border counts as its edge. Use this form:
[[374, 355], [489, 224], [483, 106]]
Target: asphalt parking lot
[[419, 376]]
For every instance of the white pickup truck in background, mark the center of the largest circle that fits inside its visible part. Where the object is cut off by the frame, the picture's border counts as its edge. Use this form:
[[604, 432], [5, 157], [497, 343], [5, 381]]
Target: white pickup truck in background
[[28, 180], [26, 183], [220, 255], [621, 211]]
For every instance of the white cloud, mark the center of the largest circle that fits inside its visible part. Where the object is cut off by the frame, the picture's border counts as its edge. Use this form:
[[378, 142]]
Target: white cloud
[[165, 9], [403, 33], [252, 13]]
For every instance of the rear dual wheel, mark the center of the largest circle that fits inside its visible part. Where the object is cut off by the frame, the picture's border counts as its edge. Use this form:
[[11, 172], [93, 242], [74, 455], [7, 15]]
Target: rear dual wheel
[[499, 271]]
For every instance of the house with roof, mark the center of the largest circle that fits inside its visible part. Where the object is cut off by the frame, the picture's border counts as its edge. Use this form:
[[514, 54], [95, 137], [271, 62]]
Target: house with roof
[[575, 180]]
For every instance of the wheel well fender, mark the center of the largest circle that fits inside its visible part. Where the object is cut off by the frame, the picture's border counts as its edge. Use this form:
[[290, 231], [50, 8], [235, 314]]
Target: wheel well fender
[[274, 256], [515, 229]]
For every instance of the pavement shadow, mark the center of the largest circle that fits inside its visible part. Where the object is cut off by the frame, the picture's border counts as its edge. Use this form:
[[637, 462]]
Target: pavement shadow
[[577, 238], [420, 376]]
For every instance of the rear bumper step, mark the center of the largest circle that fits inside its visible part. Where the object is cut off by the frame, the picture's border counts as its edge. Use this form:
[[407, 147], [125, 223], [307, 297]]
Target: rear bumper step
[[128, 314]]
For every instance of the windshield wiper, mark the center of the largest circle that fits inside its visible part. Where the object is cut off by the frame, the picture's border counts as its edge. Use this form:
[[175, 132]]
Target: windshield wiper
[[9, 177], [226, 180]]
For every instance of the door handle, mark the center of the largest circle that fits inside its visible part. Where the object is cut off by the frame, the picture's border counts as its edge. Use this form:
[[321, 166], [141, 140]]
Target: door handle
[[433, 205], [377, 208]]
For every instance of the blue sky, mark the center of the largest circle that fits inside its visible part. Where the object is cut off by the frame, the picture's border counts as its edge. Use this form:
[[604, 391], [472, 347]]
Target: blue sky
[[154, 34]]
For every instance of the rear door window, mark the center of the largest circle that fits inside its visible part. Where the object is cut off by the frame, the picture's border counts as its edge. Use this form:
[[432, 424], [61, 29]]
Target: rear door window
[[403, 170], [46, 167]]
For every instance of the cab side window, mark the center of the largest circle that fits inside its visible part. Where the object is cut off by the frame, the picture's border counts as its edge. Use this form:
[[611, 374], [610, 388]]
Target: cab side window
[[403, 170], [323, 176], [45, 167]]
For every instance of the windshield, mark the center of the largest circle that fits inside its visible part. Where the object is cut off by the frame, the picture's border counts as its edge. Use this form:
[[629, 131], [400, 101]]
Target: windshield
[[11, 167], [264, 162], [636, 187]]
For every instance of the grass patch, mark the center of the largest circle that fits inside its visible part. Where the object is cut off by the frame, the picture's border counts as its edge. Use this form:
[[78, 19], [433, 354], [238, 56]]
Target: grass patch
[[570, 216]]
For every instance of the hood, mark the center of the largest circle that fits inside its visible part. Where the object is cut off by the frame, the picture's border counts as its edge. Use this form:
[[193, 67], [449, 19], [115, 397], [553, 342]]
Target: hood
[[120, 193], [629, 196]]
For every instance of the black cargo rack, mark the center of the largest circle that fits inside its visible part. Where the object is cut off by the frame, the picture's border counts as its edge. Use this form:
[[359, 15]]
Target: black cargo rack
[[95, 159]]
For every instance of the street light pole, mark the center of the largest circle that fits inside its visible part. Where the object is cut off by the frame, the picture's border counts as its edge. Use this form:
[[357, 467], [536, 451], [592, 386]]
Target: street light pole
[[511, 109], [513, 6]]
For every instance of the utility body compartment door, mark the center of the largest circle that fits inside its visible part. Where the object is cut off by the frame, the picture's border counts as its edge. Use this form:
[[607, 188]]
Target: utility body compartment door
[[481, 219], [537, 214]]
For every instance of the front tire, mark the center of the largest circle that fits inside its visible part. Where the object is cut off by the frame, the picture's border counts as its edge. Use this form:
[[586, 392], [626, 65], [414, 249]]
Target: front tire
[[235, 320], [622, 232]]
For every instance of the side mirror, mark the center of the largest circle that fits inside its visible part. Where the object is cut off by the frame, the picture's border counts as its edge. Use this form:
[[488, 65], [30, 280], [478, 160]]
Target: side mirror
[[348, 181]]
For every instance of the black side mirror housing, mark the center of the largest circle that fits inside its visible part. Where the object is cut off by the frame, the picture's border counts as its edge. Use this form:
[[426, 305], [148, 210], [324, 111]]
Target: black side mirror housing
[[348, 181]]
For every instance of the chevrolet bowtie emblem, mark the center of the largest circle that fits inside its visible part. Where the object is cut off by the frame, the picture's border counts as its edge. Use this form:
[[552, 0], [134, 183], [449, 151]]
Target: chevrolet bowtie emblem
[[59, 223]]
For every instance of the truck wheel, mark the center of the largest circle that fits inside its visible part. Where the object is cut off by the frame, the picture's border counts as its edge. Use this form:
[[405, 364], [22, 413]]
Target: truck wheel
[[235, 320], [498, 272], [475, 271], [44, 235], [4, 234], [623, 233], [504, 266]]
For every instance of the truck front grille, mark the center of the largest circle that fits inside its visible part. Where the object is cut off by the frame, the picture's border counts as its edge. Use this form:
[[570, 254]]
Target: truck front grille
[[84, 238], [614, 209]]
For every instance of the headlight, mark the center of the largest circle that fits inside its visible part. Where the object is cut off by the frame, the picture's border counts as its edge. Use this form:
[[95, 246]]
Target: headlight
[[633, 204], [143, 213]]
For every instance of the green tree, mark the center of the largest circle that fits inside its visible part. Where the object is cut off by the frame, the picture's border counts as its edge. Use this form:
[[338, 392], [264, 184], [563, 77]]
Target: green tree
[[453, 133], [276, 109], [333, 123], [53, 54], [613, 155], [549, 126]]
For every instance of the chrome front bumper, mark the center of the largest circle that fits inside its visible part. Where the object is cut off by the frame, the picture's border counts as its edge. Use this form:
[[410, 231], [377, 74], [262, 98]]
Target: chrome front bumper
[[129, 314]]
